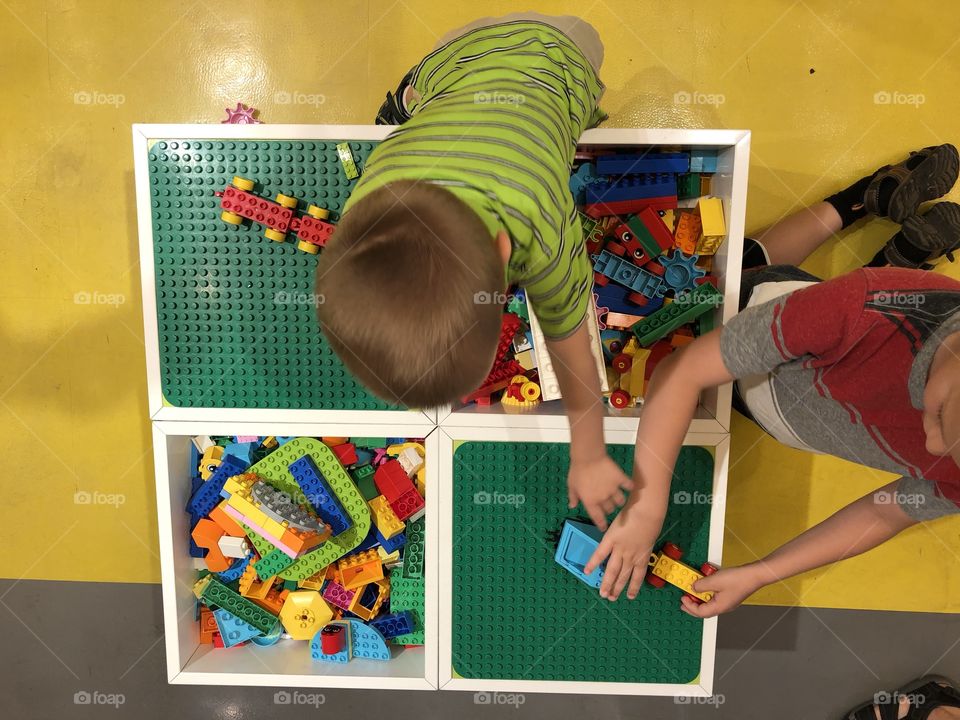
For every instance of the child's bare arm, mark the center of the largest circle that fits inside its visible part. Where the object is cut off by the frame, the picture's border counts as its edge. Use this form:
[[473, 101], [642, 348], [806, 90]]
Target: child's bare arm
[[668, 408], [594, 479], [860, 526]]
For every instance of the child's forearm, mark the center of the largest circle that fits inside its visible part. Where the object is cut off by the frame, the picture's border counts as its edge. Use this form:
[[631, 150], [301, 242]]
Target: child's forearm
[[860, 526], [669, 406], [576, 370]]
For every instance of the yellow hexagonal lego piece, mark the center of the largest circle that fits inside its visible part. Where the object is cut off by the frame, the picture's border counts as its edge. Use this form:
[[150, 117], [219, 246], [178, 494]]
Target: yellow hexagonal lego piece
[[304, 613]]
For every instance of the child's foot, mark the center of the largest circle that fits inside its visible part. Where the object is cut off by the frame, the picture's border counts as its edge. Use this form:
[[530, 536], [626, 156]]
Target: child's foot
[[931, 697], [896, 191], [924, 238]]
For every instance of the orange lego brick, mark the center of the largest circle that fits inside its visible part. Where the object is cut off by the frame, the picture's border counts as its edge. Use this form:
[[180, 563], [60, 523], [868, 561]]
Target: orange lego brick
[[229, 525], [208, 626], [272, 601], [370, 612], [688, 232], [207, 535], [360, 569], [300, 541]]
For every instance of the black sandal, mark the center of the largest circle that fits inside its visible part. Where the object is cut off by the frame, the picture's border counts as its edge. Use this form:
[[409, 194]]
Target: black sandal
[[924, 238], [925, 175], [924, 695]]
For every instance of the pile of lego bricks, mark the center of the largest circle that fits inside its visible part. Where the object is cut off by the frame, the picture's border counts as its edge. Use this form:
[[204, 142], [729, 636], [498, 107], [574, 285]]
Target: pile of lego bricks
[[315, 539], [651, 230]]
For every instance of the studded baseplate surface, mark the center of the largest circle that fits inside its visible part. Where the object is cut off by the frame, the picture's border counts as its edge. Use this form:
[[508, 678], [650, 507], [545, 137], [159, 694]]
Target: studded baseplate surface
[[408, 594], [236, 311], [274, 469], [518, 615]]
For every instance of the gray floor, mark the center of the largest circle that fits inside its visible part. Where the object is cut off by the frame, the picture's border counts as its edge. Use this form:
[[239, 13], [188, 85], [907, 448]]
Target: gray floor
[[62, 638]]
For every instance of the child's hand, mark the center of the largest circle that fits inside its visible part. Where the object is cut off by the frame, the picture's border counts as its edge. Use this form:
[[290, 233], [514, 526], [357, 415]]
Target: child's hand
[[627, 543], [730, 587], [598, 484]]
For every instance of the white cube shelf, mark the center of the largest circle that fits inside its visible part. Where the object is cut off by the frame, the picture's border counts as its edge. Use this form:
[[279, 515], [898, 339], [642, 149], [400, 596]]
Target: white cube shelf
[[718, 443], [288, 663]]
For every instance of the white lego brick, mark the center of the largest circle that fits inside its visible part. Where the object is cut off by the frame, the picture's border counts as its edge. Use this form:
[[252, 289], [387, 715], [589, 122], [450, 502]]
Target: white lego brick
[[549, 385], [234, 547], [410, 460], [202, 442]]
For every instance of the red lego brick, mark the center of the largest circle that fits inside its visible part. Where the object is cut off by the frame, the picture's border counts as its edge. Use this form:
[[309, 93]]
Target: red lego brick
[[660, 232], [249, 206], [392, 480], [628, 207], [407, 504], [314, 231], [346, 453]]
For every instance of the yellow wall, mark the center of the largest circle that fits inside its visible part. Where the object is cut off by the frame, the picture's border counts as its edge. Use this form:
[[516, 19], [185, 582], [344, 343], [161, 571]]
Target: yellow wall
[[801, 75]]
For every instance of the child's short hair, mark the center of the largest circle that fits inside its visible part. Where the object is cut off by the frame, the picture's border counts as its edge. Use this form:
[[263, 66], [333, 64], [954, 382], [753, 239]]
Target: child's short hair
[[406, 281]]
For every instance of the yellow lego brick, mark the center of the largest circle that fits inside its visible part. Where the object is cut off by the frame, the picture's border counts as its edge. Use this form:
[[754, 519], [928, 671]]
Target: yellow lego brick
[[421, 481], [360, 569], [368, 613], [668, 219], [246, 508], [385, 518], [711, 217], [247, 579], [200, 585], [709, 245], [388, 559], [314, 582], [679, 575], [526, 359], [304, 613]]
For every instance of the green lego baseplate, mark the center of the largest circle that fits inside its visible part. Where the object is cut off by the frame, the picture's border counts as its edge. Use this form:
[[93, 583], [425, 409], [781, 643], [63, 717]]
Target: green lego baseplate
[[518, 615], [272, 563], [408, 594], [274, 469], [236, 312]]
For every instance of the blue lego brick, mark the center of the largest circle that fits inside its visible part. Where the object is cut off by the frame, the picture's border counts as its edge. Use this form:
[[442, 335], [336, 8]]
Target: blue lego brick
[[614, 297], [207, 496], [244, 451], [632, 187], [235, 570], [578, 541], [627, 274], [650, 162], [703, 161], [585, 175], [366, 642], [394, 543], [396, 441], [195, 482], [319, 495], [233, 630], [364, 457], [394, 624]]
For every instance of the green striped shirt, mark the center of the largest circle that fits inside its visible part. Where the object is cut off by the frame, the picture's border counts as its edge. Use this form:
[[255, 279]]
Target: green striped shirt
[[497, 124]]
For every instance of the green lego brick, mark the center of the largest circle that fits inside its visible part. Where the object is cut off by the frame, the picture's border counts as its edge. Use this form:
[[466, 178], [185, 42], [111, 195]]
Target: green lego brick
[[369, 442], [347, 161], [519, 615], [272, 563], [217, 594], [706, 323], [687, 307], [408, 594], [688, 186], [237, 312], [413, 550], [644, 237], [274, 469], [363, 477]]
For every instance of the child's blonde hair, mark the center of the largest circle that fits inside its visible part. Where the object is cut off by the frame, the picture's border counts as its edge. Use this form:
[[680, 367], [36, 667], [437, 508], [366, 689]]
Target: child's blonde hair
[[406, 283]]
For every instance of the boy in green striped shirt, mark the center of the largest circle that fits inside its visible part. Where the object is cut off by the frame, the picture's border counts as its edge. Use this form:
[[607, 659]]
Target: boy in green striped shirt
[[469, 196]]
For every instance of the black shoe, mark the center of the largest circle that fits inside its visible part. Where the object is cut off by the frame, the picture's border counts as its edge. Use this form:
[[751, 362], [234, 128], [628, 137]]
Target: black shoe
[[926, 175], [392, 111], [924, 238]]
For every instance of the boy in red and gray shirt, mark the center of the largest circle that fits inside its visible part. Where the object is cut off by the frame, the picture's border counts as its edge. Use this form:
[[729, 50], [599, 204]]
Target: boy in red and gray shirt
[[865, 367]]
